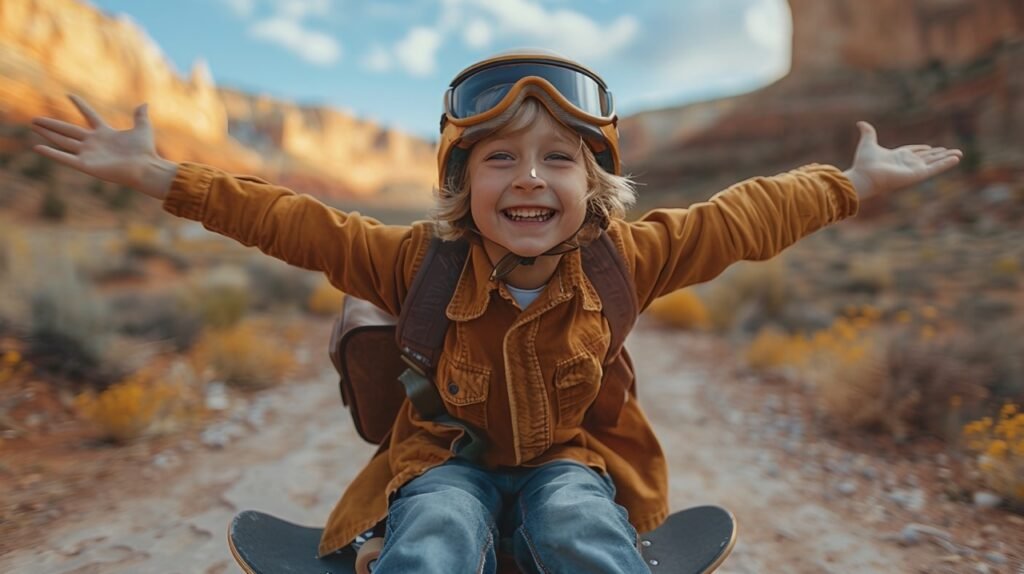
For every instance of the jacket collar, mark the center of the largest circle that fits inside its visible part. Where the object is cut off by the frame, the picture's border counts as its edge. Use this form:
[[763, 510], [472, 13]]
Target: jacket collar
[[473, 293]]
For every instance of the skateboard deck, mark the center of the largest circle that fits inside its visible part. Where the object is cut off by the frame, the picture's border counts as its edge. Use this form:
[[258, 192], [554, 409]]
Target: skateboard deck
[[692, 541]]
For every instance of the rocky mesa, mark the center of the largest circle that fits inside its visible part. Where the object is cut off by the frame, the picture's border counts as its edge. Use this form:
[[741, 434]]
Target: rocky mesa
[[51, 47], [944, 71]]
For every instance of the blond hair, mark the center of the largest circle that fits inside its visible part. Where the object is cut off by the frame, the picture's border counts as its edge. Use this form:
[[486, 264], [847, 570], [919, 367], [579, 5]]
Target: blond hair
[[608, 195]]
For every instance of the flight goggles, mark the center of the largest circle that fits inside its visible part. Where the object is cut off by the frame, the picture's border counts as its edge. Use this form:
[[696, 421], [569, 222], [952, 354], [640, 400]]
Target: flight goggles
[[480, 94]]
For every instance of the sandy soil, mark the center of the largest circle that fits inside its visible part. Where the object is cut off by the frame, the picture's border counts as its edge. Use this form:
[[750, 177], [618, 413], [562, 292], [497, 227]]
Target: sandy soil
[[804, 502]]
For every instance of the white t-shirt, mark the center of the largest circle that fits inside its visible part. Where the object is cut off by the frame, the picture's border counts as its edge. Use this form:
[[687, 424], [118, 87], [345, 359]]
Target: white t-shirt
[[524, 296]]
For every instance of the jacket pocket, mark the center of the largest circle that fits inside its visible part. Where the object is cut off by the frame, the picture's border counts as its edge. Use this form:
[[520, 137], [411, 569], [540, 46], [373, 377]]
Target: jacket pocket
[[464, 389], [577, 381]]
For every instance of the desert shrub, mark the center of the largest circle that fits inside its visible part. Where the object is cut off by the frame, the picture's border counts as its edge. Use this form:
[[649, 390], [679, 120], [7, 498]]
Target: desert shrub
[[325, 299], [12, 366], [275, 284], [158, 317], [999, 445], [869, 273], [41, 169], [1003, 273], [53, 207], [141, 404], [141, 240], [772, 349], [682, 309], [760, 286], [121, 198], [901, 378], [220, 296], [244, 356], [69, 326]]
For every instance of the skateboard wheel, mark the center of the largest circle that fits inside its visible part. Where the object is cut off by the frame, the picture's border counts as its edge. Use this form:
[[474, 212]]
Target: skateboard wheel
[[368, 552]]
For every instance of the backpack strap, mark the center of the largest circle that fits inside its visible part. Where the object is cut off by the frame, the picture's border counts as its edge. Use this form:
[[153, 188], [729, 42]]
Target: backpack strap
[[423, 323], [420, 333], [608, 273]]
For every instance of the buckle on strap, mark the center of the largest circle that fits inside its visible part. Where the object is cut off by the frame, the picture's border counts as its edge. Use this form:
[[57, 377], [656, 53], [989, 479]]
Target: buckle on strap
[[428, 403], [422, 393]]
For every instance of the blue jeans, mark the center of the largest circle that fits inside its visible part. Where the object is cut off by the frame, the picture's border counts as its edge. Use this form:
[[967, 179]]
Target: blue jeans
[[560, 517]]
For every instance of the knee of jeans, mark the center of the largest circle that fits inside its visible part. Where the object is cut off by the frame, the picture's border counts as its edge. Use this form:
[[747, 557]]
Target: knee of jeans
[[442, 509], [587, 516]]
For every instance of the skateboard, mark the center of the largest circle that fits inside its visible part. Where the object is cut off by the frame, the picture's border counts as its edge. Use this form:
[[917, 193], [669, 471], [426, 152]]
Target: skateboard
[[692, 541]]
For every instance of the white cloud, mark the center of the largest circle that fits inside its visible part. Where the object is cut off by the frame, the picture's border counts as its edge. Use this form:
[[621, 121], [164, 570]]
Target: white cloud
[[310, 45], [241, 8], [706, 49], [378, 60], [483, 22], [417, 51], [566, 31], [769, 23], [477, 34], [299, 9]]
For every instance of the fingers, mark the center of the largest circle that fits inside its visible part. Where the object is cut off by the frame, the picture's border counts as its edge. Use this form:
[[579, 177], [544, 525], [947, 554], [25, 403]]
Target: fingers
[[64, 128], [142, 115], [938, 162], [94, 119], [867, 133], [63, 157], [64, 142], [939, 153]]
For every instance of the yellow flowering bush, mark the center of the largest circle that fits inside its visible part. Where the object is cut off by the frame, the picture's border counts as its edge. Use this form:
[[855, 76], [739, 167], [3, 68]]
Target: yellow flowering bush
[[682, 309], [138, 405], [325, 299], [870, 375], [999, 444], [772, 348], [11, 366], [141, 239], [243, 356]]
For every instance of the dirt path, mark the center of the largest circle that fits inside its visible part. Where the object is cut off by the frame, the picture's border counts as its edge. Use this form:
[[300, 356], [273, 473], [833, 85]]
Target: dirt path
[[305, 451]]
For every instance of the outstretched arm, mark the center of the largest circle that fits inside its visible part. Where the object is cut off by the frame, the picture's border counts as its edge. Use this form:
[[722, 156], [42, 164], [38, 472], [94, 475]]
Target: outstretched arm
[[126, 157], [359, 255], [877, 171]]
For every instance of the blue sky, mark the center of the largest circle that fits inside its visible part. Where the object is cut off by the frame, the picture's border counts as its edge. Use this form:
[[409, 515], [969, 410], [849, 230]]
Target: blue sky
[[391, 60]]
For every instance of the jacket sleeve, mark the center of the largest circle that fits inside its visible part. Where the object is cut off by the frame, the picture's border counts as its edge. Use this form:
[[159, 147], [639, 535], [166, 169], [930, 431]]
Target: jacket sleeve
[[358, 254], [752, 220]]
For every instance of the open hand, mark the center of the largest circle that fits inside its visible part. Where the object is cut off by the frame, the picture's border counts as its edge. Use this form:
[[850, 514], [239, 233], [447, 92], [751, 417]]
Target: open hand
[[126, 157], [877, 170]]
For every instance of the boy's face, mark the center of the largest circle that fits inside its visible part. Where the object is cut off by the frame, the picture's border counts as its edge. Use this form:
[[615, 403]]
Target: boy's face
[[524, 214]]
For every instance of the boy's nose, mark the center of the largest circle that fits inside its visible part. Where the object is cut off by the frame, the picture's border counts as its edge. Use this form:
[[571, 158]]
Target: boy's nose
[[530, 178]]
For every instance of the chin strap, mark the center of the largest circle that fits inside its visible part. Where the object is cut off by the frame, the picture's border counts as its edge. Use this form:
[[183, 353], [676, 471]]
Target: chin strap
[[510, 261], [507, 264]]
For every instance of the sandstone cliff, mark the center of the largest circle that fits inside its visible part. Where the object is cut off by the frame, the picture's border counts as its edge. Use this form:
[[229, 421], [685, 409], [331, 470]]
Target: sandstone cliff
[[51, 47], [944, 71]]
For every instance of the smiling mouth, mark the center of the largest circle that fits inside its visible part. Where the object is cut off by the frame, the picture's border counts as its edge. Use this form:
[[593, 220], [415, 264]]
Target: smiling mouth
[[535, 214]]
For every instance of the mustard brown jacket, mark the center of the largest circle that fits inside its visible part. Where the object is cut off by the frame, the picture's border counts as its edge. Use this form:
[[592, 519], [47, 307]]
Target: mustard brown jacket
[[525, 377]]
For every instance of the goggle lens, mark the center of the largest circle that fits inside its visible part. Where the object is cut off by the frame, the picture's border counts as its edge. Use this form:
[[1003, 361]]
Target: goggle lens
[[482, 90]]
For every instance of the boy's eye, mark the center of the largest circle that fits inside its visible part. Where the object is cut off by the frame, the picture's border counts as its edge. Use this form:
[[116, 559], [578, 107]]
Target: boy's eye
[[560, 156], [500, 155]]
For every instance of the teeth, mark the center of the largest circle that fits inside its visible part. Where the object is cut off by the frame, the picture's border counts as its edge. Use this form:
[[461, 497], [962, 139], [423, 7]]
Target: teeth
[[536, 214]]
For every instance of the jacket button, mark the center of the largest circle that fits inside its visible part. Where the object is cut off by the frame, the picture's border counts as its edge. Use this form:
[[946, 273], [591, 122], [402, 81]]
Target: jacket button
[[453, 389]]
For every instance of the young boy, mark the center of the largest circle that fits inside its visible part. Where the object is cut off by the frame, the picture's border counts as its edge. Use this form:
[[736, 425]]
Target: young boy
[[529, 172]]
